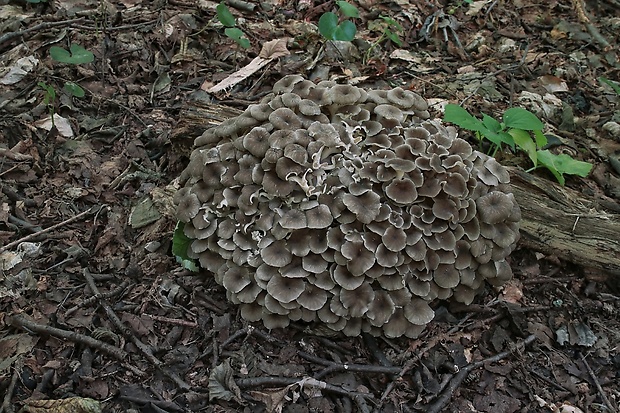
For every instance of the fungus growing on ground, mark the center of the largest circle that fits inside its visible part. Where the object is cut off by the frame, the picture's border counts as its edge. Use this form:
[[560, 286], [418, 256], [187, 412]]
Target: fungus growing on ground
[[329, 203]]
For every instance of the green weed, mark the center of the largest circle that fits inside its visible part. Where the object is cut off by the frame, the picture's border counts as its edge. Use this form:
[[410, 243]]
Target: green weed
[[332, 28], [228, 20], [614, 85], [516, 131], [180, 246], [76, 55], [49, 98], [388, 29]]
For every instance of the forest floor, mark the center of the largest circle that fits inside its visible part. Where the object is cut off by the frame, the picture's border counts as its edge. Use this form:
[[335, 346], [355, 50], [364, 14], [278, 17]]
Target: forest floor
[[96, 314]]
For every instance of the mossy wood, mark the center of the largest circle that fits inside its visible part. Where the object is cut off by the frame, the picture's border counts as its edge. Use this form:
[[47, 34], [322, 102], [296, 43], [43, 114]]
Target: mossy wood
[[560, 221], [555, 220]]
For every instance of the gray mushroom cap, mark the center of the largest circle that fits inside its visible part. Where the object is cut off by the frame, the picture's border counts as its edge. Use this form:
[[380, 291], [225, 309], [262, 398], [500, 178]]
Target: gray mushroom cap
[[495, 207], [329, 203], [188, 207], [285, 289]]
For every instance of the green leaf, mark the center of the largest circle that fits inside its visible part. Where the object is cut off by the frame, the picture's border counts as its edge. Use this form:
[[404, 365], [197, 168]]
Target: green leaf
[[498, 138], [238, 36], [47, 88], [75, 55], [490, 128], [563, 164], [491, 123], [347, 9], [74, 89], [180, 245], [345, 31], [50, 93], [327, 25], [525, 142], [614, 85], [393, 37], [541, 139], [243, 42], [520, 118], [392, 23], [225, 16], [460, 117], [494, 132]]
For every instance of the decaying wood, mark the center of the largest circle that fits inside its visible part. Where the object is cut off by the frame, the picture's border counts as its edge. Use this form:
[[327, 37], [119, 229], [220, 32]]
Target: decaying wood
[[556, 220], [560, 221], [196, 117]]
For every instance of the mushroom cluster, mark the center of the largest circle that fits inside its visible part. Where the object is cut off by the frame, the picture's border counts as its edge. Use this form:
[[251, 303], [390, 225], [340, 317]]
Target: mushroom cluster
[[327, 202]]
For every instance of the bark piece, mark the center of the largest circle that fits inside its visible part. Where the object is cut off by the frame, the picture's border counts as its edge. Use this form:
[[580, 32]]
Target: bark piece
[[561, 221]]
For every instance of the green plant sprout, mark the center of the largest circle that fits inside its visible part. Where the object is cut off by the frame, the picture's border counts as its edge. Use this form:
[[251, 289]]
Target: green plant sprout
[[614, 85], [76, 55], [332, 28], [228, 20], [389, 29], [73, 89], [49, 98], [516, 131], [180, 246]]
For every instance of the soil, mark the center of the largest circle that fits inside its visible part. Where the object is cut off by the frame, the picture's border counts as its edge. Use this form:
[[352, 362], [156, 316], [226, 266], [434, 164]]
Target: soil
[[97, 315]]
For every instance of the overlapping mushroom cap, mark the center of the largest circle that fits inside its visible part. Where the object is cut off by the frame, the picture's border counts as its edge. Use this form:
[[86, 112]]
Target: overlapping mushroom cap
[[330, 203]]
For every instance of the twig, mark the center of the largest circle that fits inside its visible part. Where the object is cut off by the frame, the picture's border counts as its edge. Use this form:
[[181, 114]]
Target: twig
[[545, 280], [163, 405], [597, 384], [361, 403], [15, 197], [91, 300], [237, 334], [250, 331], [175, 321], [371, 344], [21, 321], [267, 337], [327, 343], [24, 224], [287, 381], [242, 5], [92, 210], [117, 28], [333, 366], [37, 28], [11, 168], [486, 14], [458, 378], [14, 156], [6, 403], [411, 363], [127, 332], [547, 380]]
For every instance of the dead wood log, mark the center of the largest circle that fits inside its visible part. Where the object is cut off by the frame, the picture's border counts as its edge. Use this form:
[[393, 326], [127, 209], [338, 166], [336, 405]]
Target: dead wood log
[[561, 221], [556, 220], [197, 116]]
